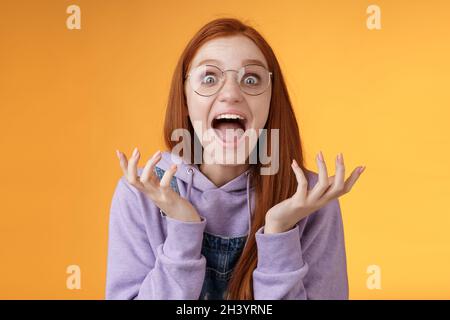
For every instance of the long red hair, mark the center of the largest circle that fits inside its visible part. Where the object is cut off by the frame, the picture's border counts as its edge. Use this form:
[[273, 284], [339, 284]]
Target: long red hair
[[269, 189]]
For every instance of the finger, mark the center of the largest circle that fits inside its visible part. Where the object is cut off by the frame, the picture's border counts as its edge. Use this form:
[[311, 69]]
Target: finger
[[337, 188], [353, 178], [331, 180], [165, 181], [123, 162], [148, 174], [302, 183], [322, 182], [132, 167]]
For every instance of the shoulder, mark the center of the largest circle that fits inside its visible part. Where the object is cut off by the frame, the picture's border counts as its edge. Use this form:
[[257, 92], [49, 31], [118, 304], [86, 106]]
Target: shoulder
[[132, 202], [125, 191]]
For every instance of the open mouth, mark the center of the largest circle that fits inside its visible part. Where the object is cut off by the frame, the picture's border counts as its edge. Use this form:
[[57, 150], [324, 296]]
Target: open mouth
[[229, 126]]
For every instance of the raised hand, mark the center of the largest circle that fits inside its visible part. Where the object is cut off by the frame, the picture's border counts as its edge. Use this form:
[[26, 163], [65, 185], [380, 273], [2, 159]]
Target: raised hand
[[284, 215], [160, 192]]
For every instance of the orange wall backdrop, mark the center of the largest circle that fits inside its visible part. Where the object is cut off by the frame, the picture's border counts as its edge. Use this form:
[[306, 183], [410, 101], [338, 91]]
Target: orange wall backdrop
[[69, 98]]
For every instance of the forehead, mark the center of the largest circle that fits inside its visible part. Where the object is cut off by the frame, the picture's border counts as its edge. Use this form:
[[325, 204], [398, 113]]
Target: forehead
[[229, 52]]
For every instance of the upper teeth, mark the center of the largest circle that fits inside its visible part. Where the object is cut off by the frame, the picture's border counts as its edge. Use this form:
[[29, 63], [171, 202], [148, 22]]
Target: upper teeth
[[229, 116]]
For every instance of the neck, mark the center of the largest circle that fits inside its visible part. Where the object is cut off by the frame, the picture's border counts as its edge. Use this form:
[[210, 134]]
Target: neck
[[221, 174]]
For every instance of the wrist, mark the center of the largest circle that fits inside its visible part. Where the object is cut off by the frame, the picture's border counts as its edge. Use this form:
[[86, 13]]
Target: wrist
[[186, 213], [190, 215], [272, 227], [188, 218]]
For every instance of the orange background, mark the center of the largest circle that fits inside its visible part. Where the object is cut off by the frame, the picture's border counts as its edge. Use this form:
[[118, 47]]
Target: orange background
[[69, 98]]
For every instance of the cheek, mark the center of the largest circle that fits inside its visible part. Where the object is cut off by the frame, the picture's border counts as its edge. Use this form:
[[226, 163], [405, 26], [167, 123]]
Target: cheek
[[197, 108], [260, 111]]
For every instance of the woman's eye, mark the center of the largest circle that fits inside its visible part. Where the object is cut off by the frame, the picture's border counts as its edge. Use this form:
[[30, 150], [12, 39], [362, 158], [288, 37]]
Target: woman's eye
[[251, 80], [209, 79]]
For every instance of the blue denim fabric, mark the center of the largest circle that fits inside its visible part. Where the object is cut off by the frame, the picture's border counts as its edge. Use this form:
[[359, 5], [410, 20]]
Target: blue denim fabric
[[173, 183], [221, 255]]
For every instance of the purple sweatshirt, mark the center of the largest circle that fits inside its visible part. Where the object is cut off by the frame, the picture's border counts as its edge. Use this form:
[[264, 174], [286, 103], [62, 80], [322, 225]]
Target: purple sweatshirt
[[152, 256]]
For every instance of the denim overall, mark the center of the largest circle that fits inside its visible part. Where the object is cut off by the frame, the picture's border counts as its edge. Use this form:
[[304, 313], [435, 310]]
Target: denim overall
[[221, 255]]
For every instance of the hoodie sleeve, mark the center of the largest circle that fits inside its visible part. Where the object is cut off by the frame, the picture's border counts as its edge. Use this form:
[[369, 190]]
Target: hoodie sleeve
[[174, 269], [311, 265]]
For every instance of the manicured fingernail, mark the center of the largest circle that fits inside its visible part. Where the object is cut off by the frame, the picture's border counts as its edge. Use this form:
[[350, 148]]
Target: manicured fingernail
[[361, 169], [156, 154], [339, 158], [320, 156]]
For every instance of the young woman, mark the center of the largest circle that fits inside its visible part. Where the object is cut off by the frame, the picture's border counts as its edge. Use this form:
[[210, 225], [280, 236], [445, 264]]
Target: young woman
[[181, 230]]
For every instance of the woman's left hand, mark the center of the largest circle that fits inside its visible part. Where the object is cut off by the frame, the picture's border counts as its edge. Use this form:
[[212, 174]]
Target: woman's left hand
[[284, 216]]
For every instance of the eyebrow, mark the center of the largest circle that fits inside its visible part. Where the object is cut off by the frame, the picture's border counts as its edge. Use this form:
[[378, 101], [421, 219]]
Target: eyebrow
[[244, 62]]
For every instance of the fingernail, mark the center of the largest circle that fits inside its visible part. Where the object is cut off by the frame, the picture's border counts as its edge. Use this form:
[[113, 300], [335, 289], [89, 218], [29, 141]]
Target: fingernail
[[118, 154], [295, 163], [156, 154], [135, 152], [361, 169], [320, 156], [339, 158]]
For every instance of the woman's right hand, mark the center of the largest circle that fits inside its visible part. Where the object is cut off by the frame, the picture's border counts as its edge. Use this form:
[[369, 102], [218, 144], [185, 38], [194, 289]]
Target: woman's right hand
[[160, 192]]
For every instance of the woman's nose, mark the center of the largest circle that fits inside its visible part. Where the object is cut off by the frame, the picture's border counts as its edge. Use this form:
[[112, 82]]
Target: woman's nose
[[230, 89]]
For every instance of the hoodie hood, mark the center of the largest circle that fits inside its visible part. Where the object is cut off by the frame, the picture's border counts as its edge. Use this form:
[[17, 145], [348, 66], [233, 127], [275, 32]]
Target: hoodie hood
[[228, 209]]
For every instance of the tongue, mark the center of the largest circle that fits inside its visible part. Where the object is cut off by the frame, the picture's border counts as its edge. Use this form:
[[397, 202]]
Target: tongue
[[222, 128]]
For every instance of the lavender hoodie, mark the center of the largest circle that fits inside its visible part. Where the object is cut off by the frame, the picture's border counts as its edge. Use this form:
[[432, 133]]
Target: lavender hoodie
[[152, 256]]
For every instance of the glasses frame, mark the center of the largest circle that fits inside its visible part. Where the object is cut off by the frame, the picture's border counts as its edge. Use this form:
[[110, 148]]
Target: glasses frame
[[224, 77]]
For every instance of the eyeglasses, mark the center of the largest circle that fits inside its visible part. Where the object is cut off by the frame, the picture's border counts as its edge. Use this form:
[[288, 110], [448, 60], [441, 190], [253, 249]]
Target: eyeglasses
[[206, 80]]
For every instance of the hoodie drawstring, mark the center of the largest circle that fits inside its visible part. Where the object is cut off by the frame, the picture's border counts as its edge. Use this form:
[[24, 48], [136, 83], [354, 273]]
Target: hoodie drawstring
[[190, 171], [249, 208]]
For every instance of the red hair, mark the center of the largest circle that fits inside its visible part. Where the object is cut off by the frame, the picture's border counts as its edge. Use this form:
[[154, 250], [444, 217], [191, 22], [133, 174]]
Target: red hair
[[269, 189]]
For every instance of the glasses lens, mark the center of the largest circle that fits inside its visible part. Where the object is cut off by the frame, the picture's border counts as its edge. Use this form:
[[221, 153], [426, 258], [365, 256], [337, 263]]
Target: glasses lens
[[253, 79], [206, 79]]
